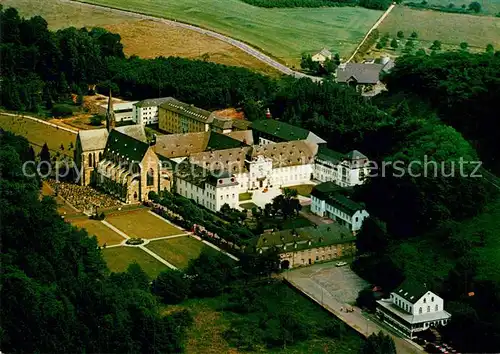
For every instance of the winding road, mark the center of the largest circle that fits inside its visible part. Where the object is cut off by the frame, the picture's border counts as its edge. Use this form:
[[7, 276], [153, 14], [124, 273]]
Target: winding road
[[241, 45]]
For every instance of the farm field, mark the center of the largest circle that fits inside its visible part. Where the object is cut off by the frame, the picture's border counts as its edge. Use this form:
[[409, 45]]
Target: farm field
[[284, 33], [140, 223], [488, 7], [96, 228], [450, 29], [146, 39], [119, 258], [39, 133], [178, 251]]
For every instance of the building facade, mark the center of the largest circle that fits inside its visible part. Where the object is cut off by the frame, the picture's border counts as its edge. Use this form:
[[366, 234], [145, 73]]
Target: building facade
[[146, 112], [177, 117], [124, 111], [308, 245], [412, 308], [331, 201], [212, 190], [345, 170], [130, 169]]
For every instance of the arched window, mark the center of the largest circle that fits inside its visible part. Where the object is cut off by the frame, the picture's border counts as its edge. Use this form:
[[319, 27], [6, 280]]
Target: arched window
[[437, 307], [90, 160], [425, 300], [100, 156], [150, 177], [428, 309], [420, 311], [94, 159]]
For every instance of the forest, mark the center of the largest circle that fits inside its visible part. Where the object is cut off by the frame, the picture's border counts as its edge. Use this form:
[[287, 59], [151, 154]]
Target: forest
[[441, 107], [57, 293]]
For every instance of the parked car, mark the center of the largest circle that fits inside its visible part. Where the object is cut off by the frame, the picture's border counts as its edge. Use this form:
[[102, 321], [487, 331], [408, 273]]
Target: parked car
[[340, 264]]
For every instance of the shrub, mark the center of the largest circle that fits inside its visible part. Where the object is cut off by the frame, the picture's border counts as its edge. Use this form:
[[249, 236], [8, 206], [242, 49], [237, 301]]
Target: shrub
[[134, 241], [62, 110], [96, 120]]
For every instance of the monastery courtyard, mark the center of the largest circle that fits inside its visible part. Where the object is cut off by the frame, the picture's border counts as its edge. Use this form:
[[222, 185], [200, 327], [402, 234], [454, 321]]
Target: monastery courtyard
[[165, 246]]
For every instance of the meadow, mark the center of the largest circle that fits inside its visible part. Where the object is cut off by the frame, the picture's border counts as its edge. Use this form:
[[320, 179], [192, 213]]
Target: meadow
[[450, 29], [212, 318], [39, 134], [146, 39], [284, 33], [488, 7]]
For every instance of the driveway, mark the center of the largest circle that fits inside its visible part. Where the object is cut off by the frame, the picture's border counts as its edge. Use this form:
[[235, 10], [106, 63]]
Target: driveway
[[335, 288]]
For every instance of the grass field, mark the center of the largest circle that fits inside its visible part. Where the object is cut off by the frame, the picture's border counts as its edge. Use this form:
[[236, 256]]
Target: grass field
[[147, 39], [96, 228], [119, 258], [178, 251], [450, 29], [285, 33], [39, 133], [140, 223], [210, 323], [488, 7]]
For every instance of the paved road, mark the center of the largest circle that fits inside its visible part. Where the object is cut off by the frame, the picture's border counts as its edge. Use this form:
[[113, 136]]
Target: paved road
[[335, 288], [243, 46]]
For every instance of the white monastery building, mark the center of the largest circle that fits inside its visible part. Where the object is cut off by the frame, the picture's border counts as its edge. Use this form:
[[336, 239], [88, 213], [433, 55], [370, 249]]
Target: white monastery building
[[330, 200], [412, 308]]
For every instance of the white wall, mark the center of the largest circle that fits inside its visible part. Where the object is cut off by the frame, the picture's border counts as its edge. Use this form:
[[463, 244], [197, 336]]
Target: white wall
[[210, 196], [145, 115], [428, 302], [340, 174], [357, 219]]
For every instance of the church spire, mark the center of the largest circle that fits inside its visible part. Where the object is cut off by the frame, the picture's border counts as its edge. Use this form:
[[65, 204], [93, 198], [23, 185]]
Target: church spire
[[110, 114]]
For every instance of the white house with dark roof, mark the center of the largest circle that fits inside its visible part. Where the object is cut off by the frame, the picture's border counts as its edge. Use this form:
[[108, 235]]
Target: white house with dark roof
[[346, 170], [124, 111], [331, 201], [412, 308], [146, 111]]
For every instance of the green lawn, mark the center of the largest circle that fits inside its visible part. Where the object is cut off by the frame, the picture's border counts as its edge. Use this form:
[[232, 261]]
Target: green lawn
[[178, 251], [450, 29], [303, 189], [245, 196], [119, 258], [285, 33], [140, 223], [248, 205]]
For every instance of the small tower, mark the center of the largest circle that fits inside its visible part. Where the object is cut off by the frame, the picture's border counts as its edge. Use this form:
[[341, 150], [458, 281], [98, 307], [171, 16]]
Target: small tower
[[110, 114]]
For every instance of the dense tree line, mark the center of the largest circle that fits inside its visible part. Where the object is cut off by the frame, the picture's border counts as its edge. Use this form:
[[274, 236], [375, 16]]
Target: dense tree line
[[369, 4], [57, 294], [462, 87]]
